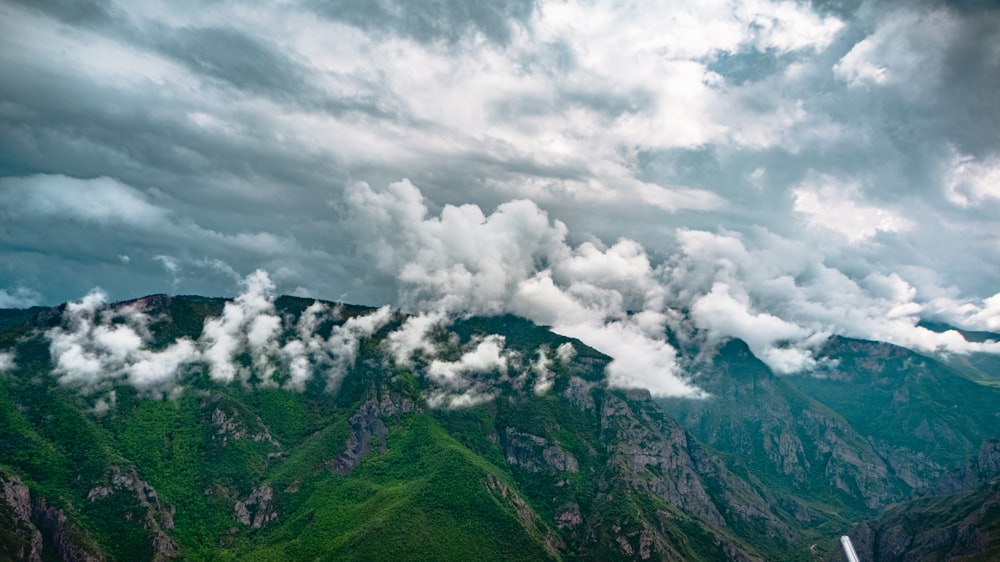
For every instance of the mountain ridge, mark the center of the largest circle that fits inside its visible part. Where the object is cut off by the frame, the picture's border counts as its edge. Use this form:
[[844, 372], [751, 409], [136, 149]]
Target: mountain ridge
[[578, 471]]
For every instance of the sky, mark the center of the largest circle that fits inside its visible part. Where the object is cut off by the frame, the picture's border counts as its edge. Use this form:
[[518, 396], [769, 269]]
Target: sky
[[775, 171]]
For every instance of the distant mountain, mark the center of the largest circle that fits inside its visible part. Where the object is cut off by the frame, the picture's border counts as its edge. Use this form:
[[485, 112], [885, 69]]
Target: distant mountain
[[983, 368], [827, 473], [546, 462], [920, 416]]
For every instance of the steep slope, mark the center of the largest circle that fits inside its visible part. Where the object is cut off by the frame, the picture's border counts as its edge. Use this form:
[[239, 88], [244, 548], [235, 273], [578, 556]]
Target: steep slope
[[983, 368], [919, 415], [368, 469], [957, 517], [963, 526], [825, 473]]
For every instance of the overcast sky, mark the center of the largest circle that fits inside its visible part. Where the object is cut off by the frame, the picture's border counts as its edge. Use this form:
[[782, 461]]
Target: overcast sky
[[793, 167]]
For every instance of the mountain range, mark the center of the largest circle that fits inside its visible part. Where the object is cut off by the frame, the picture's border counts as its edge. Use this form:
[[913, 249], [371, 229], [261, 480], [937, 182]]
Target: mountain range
[[493, 438]]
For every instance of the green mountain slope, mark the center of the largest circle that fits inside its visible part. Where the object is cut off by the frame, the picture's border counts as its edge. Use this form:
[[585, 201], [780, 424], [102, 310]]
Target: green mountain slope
[[963, 526], [920, 415], [825, 471], [248, 471], [371, 466]]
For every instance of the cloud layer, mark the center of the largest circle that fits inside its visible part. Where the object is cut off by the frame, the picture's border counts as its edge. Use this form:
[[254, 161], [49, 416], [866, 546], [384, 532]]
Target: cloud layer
[[97, 345], [766, 169]]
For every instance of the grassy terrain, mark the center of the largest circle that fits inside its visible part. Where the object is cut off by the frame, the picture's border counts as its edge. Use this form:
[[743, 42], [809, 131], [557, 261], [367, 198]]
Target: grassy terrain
[[478, 482]]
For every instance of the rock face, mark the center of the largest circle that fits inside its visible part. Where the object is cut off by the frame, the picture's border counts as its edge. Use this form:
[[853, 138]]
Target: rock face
[[157, 518], [367, 425], [937, 528], [30, 520], [536, 453], [638, 447], [228, 427], [570, 517], [777, 430], [974, 473], [150, 304], [653, 453], [258, 509], [18, 511], [953, 519]]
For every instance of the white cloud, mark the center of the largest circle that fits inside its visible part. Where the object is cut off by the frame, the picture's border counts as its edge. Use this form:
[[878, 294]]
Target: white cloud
[[461, 260], [412, 336], [101, 345], [162, 370], [640, 361], [169, 263], [906, 49], [833, 205], [565, 352], [7, 361], [967, 313], [344, 341], [466, 262], [92, 352], [987, 316], [970, 181], [781, 298], [487, 356], [544, 378], [226, 335], [723, 314]]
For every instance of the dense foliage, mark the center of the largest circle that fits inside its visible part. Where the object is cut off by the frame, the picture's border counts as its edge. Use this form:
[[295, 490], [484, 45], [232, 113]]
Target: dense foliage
[[774, 468]]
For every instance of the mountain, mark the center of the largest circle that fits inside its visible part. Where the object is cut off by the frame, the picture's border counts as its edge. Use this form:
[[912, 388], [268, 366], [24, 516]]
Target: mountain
[[877, 425], [983, 368], [919, 414], [957, 517], [826, 472], [524, 454]]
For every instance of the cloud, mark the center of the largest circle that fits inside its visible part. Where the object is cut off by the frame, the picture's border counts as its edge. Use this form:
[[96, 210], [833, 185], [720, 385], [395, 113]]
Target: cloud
[[983, 315], [460, 261], [221, 132], [7, 361], [99, 345], [102, 201], [720, 312], [487, 356], [986, 316], [247, 322], [414, 336], [784, 300], [344, 341], [905, 48], [972, 181], [449, 22], [544, 378], [93, 351], [19, 297], [485, 369], [833, 205], [516, 260]]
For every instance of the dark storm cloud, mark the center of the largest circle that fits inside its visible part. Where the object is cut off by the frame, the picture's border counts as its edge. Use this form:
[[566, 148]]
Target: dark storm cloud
[[76, 12], [245, 63], [746, 150], [431, 21]]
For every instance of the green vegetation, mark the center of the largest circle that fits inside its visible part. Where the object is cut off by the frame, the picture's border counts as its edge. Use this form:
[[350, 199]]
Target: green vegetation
[[243, 472]]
